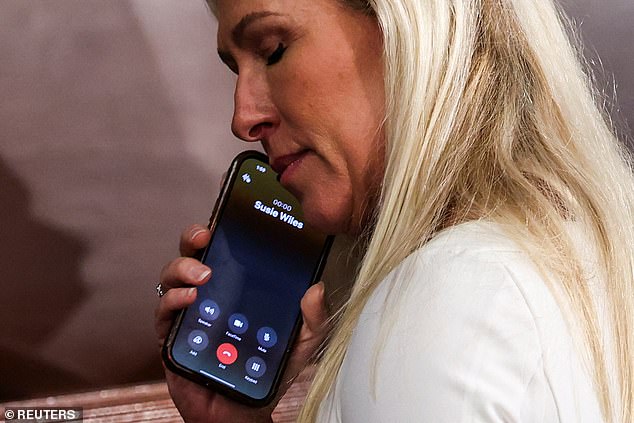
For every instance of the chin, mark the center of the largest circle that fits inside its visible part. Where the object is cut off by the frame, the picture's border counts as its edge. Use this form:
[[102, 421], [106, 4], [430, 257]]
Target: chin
[[329, 220]]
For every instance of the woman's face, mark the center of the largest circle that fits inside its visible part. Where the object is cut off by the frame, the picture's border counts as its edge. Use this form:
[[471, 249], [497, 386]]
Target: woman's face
[[310, 88]]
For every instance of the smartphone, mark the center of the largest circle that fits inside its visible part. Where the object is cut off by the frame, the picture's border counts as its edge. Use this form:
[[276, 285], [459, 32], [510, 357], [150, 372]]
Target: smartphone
[[236, 338]]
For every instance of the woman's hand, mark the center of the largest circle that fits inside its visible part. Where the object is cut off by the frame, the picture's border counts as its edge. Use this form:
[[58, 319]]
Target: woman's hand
[[196, 403]]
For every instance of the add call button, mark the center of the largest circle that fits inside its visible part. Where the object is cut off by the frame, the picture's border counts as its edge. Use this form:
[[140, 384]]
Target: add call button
[[227, 353]]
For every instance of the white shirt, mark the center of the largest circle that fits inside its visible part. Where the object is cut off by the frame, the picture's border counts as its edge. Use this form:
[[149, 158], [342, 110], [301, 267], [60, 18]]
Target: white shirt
[[478, 338]]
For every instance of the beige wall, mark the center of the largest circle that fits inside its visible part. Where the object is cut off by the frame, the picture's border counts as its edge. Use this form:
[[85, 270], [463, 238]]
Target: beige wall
[[113, 135], [113, 126]]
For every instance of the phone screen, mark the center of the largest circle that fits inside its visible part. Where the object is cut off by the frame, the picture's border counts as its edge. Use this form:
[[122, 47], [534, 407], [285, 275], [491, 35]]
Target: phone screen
[[263, 256]]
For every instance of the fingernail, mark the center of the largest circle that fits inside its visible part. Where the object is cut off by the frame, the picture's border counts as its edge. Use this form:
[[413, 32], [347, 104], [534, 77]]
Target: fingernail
[[191, 291], [201, 274], [195, 232]]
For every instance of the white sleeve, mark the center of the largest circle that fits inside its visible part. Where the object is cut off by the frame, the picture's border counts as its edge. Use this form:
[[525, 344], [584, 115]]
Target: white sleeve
[[463, 347]]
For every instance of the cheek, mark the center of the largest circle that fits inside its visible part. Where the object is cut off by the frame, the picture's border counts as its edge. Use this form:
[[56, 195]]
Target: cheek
[[326, 197], [326, 105], [328, 210], [312, 86], [326, 112]]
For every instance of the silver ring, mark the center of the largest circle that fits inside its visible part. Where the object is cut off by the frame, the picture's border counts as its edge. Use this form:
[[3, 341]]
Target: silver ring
[[159, 290]]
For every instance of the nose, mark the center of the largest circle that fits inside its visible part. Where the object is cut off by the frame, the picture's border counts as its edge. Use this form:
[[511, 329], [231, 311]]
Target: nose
[[254, 116]]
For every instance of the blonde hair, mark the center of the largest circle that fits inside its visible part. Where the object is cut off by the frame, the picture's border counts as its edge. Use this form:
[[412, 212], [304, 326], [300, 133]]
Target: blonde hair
[[489, 115]]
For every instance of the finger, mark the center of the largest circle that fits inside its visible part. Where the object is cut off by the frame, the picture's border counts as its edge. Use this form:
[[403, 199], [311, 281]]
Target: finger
[[313, 308], [193, 239], [184, 271], [173, 301], [312, 333]]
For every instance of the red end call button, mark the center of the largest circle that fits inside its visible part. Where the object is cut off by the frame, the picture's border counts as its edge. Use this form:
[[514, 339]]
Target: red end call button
[[227, 353]]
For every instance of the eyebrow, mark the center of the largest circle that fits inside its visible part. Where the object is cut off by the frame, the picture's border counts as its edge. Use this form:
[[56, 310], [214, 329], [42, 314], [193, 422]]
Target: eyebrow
[[237, 33]]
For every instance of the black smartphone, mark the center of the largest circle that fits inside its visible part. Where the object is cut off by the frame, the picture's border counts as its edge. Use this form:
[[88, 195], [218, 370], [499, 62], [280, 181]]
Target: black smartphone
[[237, 336]]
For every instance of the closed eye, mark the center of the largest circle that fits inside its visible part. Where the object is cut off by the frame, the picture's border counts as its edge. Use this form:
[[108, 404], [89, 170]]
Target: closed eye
[[276, 56]]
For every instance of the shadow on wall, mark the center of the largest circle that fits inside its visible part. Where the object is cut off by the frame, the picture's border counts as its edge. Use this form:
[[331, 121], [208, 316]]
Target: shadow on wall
[[41, 285], [95, 187]]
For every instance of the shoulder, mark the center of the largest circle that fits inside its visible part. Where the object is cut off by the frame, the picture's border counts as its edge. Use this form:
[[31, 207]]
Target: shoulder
[[475, 265], [471, 269], [470, 294], [462, 329], [476, 243]]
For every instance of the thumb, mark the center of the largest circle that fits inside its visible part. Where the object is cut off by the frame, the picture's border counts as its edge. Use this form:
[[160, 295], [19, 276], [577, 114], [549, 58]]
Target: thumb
[[313, 308], [312, 333]]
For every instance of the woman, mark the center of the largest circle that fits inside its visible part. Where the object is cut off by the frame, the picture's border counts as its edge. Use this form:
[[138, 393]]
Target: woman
[[460, 140]]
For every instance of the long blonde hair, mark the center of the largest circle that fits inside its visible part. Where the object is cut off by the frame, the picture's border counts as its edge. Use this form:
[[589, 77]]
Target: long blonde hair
[[489, 115]]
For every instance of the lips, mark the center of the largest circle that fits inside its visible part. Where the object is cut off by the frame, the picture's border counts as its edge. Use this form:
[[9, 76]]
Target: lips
[[282, 163]]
